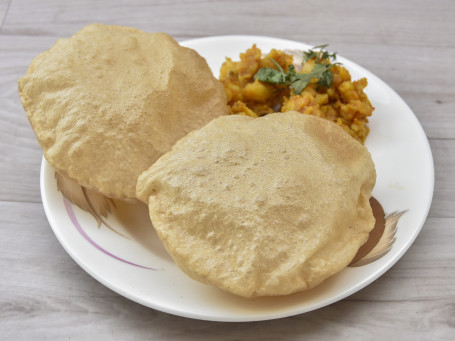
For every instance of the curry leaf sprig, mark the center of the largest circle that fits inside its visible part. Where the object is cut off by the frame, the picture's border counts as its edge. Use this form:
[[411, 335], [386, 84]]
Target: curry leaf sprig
[[298, 81]]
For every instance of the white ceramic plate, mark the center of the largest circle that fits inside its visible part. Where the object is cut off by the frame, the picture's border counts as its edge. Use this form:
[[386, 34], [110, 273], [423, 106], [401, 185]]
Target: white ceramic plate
[[137, 266]]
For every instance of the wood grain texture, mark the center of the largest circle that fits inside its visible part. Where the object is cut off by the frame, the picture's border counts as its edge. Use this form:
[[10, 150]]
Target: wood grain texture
[[4, 4], [313, 21], [45, 295]]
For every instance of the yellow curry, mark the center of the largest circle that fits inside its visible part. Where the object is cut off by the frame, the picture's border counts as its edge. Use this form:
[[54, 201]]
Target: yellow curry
[[343, 102]]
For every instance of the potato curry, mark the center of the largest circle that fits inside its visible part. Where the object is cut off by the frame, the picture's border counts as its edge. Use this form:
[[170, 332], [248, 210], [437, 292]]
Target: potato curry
[[258, 85]]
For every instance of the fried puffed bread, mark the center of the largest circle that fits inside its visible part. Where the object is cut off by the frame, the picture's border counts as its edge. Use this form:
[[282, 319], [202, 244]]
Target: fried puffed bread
[[262, 207], [107, 102]]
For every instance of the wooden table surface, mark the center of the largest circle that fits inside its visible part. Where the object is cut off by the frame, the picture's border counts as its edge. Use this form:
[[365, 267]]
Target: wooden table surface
[[410, 45]]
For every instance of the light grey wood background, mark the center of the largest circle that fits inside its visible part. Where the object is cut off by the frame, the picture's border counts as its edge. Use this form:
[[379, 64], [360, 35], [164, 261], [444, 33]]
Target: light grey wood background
[[409, 44]]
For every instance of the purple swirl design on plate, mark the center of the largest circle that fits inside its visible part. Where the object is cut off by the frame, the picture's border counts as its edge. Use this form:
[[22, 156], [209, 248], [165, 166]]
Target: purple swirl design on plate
[[72, 215]]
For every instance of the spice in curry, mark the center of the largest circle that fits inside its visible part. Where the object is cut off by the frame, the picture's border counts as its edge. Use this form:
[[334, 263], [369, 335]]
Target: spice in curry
[[258, 85]]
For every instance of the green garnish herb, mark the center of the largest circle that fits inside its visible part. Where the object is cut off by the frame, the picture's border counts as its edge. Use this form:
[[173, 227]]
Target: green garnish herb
[[319, 55], [298, 81]]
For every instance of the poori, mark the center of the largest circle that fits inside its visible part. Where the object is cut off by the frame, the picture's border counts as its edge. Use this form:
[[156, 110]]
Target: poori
[[107, 102], [262, 206]]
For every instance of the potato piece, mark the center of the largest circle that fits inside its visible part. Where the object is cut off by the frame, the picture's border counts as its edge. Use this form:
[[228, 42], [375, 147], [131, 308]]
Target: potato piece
[[257, 91]]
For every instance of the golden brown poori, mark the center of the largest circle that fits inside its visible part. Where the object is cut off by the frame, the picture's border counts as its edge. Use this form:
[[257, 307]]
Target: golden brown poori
[[262, 206], [107, 102]]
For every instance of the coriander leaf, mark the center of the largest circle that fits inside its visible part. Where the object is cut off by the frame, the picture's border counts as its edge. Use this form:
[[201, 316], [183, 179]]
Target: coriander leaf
[[326, 79], [277, 65], [319, 55], [291, 73], [300, 82], [319, 69], [323, 73], [270, 75], [308, 55]]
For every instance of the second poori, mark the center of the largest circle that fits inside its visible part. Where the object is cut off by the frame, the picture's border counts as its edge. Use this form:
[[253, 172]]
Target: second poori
[[262, 206]]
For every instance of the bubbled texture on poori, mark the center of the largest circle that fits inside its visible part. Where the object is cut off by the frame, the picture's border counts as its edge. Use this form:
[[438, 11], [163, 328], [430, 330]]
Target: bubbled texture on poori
[[107, 102], [265, 206]]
